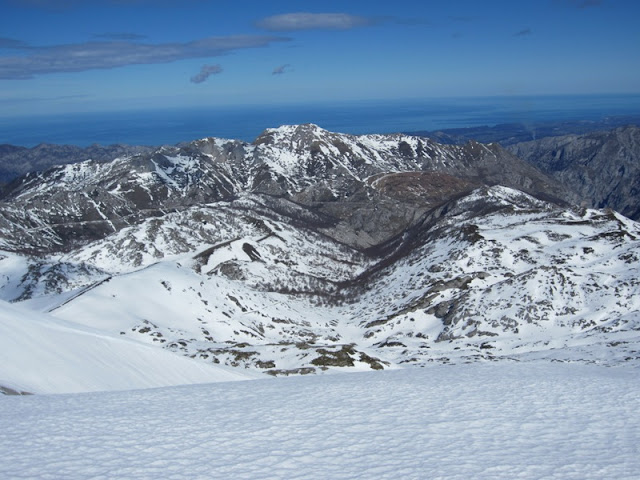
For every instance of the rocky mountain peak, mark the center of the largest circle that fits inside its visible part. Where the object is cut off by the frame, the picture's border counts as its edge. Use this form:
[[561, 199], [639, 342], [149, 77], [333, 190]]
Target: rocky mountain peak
[[291, 135]]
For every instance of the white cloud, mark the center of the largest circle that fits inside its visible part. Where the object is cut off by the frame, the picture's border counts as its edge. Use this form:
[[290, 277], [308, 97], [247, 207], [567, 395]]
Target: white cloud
[[103, 55], [309, 21]]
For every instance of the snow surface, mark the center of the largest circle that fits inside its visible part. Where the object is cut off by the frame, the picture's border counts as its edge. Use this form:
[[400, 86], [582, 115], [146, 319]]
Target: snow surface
[[42, 354], [476, 421]]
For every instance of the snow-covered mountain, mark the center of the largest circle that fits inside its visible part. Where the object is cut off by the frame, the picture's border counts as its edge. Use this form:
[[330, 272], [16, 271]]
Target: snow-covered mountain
[[310, 251], [336, 174]]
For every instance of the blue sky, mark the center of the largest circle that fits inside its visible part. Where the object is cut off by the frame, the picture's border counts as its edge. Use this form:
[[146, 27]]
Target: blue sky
[[92, 55]]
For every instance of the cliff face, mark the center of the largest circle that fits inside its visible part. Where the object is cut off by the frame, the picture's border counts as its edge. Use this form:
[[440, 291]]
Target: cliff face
[[601, 168]]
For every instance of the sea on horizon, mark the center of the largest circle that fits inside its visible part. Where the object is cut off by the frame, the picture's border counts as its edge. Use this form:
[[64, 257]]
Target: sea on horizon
[[171, 126]]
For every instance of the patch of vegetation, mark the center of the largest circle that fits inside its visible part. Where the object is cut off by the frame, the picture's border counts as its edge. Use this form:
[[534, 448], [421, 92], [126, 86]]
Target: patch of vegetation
[[265, 364], [375, 323], [251, 252], [471, 233], [294, 371], [339, 358], [374, 363], [391, 343]]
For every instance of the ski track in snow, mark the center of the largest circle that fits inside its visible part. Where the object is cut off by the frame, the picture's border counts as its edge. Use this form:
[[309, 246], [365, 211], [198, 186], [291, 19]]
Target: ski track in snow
[[492, 421]]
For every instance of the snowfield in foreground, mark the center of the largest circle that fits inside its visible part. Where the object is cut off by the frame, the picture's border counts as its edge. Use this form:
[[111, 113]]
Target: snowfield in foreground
[[479, 421], [41, 354]]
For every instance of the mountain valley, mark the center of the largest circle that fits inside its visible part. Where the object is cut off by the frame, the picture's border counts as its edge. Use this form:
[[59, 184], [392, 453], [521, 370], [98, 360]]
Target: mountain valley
[[309, 251]]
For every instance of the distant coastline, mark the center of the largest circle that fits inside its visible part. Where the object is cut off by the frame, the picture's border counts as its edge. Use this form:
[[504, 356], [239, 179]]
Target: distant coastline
[[171, 126]]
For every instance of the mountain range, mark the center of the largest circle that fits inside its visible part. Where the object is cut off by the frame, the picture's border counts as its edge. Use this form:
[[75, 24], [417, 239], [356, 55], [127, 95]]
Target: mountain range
[[309, 251]]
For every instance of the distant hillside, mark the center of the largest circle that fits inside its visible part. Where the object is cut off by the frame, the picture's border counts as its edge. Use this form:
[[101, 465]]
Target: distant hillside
[[602, 168], [16, 161], [6, 149], [511, 133]]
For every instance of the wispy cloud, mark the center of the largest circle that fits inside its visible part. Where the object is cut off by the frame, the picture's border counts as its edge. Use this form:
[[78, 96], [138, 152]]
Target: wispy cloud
[[310, 21], [205, 72], [104, 55], [523, 33], [281, 69]]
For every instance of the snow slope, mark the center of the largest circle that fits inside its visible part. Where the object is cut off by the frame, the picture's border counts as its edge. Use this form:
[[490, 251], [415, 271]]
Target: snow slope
[[42, 354], [498, 421]]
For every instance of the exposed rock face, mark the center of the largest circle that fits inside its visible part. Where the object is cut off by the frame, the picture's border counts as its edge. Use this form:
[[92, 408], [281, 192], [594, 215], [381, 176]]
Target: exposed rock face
[[602, 168]]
